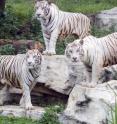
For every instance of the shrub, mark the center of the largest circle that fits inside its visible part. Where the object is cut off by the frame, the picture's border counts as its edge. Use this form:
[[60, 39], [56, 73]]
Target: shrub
[[7, 50], [50, 116]]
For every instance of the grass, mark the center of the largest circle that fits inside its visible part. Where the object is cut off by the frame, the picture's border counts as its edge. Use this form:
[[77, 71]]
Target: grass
[[50, 117], [23, 9], [89, 6], [114, 114], [12, 120]]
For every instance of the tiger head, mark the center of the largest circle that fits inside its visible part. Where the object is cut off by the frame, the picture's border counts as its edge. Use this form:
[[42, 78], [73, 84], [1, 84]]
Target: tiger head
[[33, 58], [74, 51], [42, 8]]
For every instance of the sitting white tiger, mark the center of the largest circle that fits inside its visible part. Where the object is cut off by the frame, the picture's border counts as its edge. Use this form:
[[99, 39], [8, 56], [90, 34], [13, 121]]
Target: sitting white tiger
[[95, 53], [55, 22], [21, 71]]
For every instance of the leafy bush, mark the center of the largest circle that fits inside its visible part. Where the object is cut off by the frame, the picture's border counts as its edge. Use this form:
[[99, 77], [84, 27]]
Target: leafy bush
[[7, 50], [50, 117], [100, 33]]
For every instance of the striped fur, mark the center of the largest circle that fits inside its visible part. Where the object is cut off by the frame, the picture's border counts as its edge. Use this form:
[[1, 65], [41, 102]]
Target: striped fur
[[95, 53], [56, 23], [20, 71]]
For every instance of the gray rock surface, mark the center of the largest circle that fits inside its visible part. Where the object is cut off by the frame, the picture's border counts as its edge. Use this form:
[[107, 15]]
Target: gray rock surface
[[90, 105], [107, 19], [54, 73], [16, 111]]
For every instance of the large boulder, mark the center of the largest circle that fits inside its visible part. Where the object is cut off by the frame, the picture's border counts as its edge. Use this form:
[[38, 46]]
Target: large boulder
[[90, 105], [58, 75], [107, 19]]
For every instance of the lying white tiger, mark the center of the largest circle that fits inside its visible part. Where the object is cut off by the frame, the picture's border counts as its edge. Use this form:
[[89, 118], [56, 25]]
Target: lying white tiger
[[56, 23], [21, 71], [95, 53]]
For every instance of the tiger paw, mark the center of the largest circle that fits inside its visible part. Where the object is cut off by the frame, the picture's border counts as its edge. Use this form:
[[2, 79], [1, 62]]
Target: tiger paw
[[91, 85], [29, 107], [87, 84], [45, 52], [51, 53]]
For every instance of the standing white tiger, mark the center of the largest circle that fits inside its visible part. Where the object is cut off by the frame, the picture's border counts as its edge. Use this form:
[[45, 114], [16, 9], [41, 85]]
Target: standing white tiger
[[95, 53], [21, 71], [55, 22]]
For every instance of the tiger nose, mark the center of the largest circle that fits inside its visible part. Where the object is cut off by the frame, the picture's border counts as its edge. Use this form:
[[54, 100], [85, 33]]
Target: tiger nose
[[29, 63], [38, 15], [74, 58]]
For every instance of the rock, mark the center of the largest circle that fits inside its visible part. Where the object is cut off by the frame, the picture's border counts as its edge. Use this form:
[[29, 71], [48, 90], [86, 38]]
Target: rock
[[54, 73], [90, 105], [107, 19], [109, 73], [60, 76], [76, 74], [16, 111]]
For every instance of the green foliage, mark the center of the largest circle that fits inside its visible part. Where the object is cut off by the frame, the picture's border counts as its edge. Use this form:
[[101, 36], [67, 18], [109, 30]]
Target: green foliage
[[23, 9], [18, 22], [114, 114], [50, 117], [7, 50], [100, 33], [89, 6], [12, 28], [112, 108], [12, 120]]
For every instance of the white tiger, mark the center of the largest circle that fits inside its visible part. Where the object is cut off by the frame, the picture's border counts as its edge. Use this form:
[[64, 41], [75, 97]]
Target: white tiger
[[56, 23], [95, 53], [21, 71]]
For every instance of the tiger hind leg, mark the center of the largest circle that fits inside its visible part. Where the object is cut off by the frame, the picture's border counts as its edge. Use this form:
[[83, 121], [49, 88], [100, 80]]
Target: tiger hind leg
[[4, 94]]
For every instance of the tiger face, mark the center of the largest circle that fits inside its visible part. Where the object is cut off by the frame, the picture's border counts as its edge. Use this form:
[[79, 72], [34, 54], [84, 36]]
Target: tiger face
[[74, 52], [42, 9], [33, 58]]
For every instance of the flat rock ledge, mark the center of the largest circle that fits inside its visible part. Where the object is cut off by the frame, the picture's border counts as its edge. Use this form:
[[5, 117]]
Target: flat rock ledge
[[17, 111]]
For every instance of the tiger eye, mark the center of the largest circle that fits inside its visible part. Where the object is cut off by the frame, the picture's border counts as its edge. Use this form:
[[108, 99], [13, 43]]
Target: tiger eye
[[27, 56], [34, 56], [70, 51], [77, 50]]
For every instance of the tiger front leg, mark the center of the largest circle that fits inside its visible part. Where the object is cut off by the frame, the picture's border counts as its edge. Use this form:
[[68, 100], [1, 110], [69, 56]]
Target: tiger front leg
[[52, 43], [26, 98], [96, 71], [88, 75], [46, 41]]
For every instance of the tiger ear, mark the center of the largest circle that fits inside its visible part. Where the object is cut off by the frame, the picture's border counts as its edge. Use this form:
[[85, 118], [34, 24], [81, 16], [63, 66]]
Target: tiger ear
[[49, 1], [81, 41], [39, 46]]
